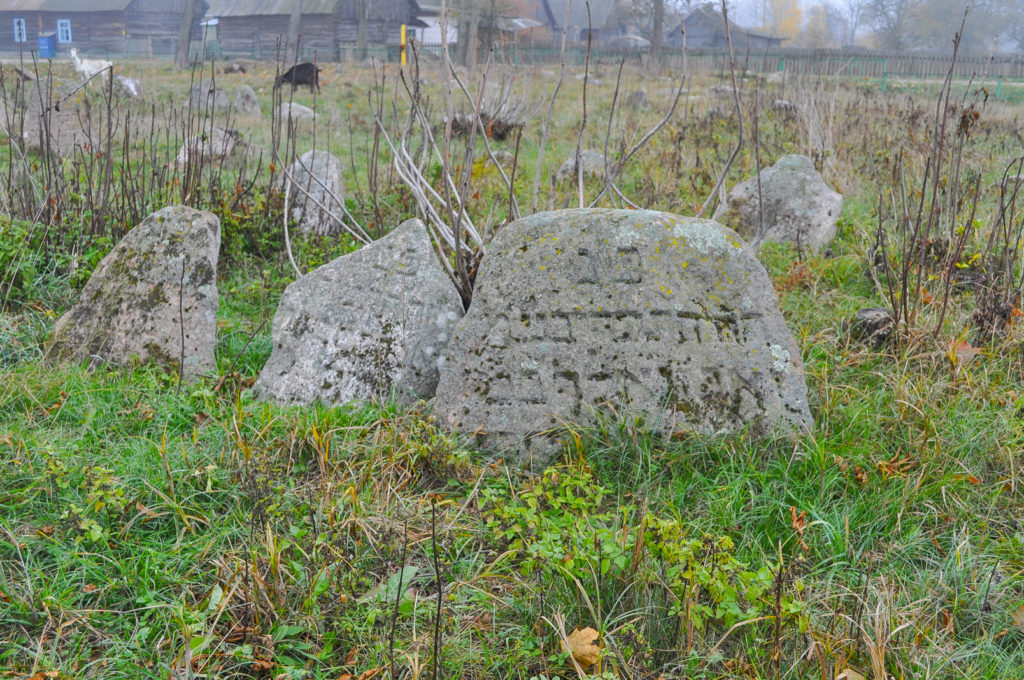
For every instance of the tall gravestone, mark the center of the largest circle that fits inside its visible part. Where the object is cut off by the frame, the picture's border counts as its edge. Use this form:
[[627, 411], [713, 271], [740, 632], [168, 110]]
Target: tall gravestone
[[663, 317], [152, 298]]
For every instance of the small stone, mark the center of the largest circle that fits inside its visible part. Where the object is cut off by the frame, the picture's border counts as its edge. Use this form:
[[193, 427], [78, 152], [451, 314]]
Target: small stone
[[152, 298], [593, 166], [637, 100], [798, 207], [367, 323], [872, 325], [297, 112]]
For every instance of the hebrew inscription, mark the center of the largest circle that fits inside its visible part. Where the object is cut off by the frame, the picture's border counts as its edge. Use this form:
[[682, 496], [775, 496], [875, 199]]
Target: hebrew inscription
[[636, 313]]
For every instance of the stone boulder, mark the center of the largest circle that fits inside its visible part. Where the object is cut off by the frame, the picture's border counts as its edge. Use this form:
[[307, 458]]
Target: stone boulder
[[667, 318], [246, 102], [130, 88], [152, 298], [316, 193], [637, 100], [212, 147], [296, 112], [207, 95], [367, 323], [798, 206], [57, 118], [592, 162]]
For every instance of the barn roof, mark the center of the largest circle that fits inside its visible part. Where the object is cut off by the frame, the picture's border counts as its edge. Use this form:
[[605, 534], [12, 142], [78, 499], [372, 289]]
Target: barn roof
[[248, 8]]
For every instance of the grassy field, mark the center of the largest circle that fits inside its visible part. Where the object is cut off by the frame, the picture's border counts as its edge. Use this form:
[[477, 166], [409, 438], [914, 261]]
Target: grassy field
[[156, 530]]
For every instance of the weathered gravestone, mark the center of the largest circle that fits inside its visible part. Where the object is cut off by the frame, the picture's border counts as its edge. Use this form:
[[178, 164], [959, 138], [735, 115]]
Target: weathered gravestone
[[316, 192], [366, 323], [58, 119], [206, 95], [153, 297], [659, 316], [246, 101], [592, 162], [290, 111], [796, 206], [210, 147]]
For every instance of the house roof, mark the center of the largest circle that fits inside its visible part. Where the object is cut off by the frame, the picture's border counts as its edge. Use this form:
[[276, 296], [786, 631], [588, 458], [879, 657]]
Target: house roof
[[83, 5], [599, 11], [248, 8], [715, 19], [21, 5]]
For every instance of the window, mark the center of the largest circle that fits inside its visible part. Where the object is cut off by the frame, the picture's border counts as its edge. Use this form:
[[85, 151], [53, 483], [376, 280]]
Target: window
[[19, 31], [63, 30]]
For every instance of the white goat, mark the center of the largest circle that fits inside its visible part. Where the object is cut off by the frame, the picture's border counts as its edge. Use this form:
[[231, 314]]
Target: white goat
[[89, 67]]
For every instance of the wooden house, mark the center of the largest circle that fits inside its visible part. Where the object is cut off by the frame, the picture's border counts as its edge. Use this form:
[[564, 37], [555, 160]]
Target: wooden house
[[705, 29], [255, 27], [146, 27]]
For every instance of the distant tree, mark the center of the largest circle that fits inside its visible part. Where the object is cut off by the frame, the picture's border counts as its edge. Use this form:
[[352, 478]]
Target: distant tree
[[291, 54], [783, 18], [892, 21], [188, 20], [815, 32]]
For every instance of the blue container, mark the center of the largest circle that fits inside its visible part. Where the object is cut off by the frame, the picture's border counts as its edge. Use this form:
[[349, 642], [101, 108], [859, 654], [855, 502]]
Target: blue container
[[47, 45]]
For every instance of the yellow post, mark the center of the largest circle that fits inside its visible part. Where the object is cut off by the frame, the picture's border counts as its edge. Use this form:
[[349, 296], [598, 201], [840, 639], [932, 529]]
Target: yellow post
[[403, 45]]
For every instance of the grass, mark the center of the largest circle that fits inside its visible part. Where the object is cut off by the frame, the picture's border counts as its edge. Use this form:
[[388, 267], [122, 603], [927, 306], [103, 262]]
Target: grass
[[147, 532]]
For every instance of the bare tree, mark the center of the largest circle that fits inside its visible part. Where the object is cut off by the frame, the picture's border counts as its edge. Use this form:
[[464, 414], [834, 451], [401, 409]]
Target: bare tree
[[658, 27], [188, 19]]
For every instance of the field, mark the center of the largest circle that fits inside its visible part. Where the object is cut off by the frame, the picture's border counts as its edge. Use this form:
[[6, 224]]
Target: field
[[157, 529]]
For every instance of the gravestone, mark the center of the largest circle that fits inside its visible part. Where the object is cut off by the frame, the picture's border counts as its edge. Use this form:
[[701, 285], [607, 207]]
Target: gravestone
[[246, 102], [592, 162], [667, 318], [212, 147], [206, 95], [296, 112], [366, 323], [795, 205], [153, 297], [316, 193]]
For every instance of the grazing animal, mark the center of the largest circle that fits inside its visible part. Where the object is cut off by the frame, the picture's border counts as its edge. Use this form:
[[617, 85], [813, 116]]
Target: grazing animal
[[89, 67], [306, 73]]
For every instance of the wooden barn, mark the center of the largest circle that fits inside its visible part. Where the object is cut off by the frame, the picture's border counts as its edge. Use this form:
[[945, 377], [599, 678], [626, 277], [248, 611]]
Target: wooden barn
[[705, 29], [254, 27], [138, 27]]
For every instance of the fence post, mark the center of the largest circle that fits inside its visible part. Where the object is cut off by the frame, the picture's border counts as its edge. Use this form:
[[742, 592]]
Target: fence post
[[999, 88], [781, 63]]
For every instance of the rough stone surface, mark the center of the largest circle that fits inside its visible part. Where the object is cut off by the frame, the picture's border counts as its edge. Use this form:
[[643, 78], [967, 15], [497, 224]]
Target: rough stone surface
[[366, 323], [659, 316], [207, 95], [153, 297], [637, 100], [246, 101], [317, 198], [212, 147], [58, 118], [872, 325], [798, 206], [296, 112], [592, 161]]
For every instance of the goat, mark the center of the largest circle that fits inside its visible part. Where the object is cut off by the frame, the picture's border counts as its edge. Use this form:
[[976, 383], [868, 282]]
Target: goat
[[306, 73], [89, 67]]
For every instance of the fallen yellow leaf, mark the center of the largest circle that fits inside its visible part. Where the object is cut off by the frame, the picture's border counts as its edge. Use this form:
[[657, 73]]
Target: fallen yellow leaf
[[583, 646], [1018, 617], [849, 674]]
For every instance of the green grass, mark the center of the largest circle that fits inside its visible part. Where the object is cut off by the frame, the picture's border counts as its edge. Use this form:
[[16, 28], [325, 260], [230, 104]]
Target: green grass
[[147, 528]]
